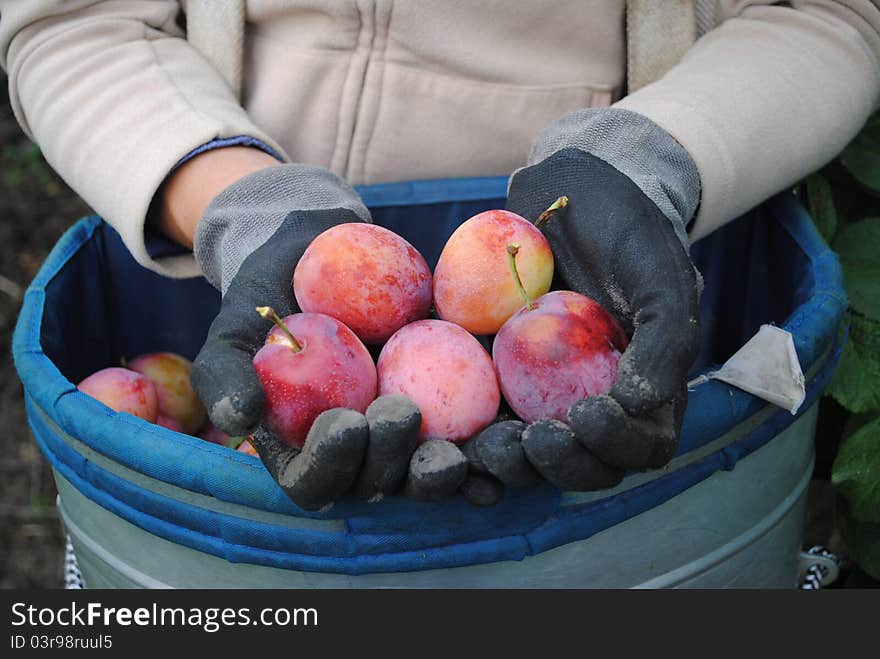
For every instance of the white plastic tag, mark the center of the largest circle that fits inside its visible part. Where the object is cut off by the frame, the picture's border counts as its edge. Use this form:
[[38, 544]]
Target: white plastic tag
[[766, 366]]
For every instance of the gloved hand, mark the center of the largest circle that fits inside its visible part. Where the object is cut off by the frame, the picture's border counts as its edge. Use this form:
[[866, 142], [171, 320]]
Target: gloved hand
[[247, 244], [621, 240]]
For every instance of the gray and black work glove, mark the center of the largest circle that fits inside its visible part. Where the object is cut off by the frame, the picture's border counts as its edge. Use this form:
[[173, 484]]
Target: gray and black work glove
[[632, 189], [248, 244]]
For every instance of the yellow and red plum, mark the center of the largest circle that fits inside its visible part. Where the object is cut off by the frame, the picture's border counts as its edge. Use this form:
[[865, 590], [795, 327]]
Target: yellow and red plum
[[213, 434], [366, 276], [555, 351], [168, 422], [169, 372], [124, 391], [446, 373], [248, 448], [331, 369], [472, 283]]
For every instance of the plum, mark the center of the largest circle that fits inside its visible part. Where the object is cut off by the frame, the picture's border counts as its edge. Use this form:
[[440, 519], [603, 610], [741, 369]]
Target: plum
[[169, 372], [123, 390], [311, 363], [247, 448], [169, 423], [472, 284], [446, 373], [365, 276], [213, 434], [555, 351]]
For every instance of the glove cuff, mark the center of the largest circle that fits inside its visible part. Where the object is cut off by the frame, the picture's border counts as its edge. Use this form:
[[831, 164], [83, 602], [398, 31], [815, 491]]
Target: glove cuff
[[246, 214], [637, 148]]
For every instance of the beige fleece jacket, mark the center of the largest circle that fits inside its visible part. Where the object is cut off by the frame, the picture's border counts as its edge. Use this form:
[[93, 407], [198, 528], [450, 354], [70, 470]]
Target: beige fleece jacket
[[382, 90]]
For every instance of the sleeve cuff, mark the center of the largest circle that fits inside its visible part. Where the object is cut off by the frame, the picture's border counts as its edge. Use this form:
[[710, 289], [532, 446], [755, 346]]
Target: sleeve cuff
[[638, 148], [156, 244], [220, 142]]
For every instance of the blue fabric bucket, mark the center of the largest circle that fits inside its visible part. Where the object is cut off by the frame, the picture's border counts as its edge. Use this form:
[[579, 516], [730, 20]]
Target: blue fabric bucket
[[91, 305]]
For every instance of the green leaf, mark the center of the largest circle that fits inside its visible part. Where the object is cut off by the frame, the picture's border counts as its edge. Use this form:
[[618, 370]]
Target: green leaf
[[862, 539], [858, 246], [856, 382], [855, 476], [852, 200], [862, 156], [856, 473], [821, 204]]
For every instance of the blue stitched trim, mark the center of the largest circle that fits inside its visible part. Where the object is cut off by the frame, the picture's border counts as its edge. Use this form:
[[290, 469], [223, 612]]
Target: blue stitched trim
[[157, 245], [220, 142]]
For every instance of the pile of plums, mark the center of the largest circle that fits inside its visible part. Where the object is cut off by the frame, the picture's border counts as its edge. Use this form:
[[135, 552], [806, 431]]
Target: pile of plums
[[156, 388], [361, 285]]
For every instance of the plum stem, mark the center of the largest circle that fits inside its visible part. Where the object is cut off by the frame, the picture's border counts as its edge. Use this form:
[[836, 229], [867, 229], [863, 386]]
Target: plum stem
[[512, 251], [269, 314], [561, 202]]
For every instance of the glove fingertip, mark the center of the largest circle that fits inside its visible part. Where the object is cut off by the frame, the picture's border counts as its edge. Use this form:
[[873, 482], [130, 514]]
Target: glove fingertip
[[394, 422], [654, 366], [638, 394], [394, 410], [598, 421], [558, 456], [230, 389], [330, 460], [436, 471], [636, 443], [237, 415], [500, 451], [475, 464]]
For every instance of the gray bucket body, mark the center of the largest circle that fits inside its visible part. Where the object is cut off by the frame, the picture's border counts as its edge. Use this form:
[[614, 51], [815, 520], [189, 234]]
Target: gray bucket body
[[736, 529]]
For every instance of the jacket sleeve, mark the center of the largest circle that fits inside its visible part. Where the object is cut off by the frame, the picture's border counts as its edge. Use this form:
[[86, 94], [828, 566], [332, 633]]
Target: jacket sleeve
[[115, 97], [770, 95]]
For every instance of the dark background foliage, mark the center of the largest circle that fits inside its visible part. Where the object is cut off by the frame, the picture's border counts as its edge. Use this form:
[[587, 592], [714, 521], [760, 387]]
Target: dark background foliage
[[35, 209]]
